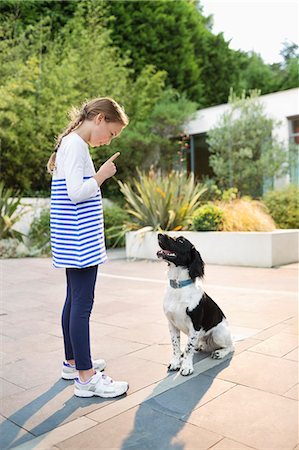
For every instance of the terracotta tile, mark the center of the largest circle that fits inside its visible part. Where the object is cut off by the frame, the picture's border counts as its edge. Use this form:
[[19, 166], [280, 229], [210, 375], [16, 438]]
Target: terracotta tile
[[246, 344], [252, 417], [278, 345], [253, 369]]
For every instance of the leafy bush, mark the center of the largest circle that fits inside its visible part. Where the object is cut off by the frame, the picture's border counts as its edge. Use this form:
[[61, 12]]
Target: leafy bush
[[208, 218], [10, 201], [245, 214], [283, 205], [115, 219], [162, 202], [13, 248], [39, 234]]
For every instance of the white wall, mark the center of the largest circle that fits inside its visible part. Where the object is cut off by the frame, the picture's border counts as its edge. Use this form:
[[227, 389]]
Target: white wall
[[279, 106]]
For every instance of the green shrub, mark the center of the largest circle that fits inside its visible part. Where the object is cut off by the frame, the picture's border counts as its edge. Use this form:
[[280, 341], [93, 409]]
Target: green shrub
[[115, 219], [162, 202], [39, 234], [208, 218], [10, 201], [284, 206]]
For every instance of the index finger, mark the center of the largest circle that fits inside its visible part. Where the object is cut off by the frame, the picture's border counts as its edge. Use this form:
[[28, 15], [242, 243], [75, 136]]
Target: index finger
[[113, 157]]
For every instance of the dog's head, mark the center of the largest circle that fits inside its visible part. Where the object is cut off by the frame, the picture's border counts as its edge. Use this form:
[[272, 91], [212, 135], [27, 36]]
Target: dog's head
[[181, 252]]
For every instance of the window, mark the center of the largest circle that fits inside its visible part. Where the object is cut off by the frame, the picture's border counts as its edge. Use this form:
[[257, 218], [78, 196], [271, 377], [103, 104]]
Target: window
[[293, 149]]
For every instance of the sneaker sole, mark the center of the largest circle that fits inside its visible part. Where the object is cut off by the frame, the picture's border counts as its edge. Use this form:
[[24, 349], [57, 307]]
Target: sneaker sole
[[85, 394], [74, 375]]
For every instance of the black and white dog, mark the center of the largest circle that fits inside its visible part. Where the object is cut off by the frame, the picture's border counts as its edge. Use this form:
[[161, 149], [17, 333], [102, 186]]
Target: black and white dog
[[188, 308]]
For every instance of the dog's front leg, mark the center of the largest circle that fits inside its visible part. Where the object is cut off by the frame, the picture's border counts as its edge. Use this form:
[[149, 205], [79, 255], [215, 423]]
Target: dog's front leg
[[175, 363], [187, 363]]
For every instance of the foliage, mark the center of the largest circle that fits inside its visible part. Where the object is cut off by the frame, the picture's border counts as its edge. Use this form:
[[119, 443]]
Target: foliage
[[115, 226], [43, 76], [208, 217], [176, 37], [39, 234], [12, 248], [245, 214], [244, 152], [283, 205], [11, 212], [162, 202]]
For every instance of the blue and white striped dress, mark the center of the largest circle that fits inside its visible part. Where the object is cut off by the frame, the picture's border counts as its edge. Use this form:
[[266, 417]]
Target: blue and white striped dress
[[77, 225]]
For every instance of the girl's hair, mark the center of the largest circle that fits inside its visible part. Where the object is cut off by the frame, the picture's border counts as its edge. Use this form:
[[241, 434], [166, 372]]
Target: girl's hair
[[111, 110]]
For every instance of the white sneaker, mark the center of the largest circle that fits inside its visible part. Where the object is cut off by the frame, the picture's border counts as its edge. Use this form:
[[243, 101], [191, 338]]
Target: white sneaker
[[100, 385], [69, 372]]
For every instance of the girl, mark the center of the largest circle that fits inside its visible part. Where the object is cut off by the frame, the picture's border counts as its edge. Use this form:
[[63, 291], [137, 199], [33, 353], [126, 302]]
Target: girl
[[77, 235]]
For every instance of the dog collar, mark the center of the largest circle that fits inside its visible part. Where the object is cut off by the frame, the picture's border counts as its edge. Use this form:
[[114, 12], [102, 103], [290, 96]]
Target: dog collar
[[179, 284]]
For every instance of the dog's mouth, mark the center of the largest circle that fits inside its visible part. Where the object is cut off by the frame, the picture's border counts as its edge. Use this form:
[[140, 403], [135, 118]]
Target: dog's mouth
[[165, 254]]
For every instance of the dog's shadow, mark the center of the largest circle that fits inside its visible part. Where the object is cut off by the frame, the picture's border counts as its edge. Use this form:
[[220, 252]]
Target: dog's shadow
[[160, 418]]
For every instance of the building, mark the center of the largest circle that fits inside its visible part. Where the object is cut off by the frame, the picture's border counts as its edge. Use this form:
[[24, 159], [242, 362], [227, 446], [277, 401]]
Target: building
[[282, 106]]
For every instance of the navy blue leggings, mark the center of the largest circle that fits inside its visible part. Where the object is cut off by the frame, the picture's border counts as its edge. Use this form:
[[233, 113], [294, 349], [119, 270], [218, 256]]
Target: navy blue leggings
[[76, 313]]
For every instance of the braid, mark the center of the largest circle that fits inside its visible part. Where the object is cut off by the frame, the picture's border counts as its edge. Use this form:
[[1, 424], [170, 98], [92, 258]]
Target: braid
[[79, 118], [71, 127]]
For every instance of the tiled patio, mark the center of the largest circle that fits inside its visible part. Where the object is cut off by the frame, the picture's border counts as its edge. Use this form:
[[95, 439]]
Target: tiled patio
[[244, 402]]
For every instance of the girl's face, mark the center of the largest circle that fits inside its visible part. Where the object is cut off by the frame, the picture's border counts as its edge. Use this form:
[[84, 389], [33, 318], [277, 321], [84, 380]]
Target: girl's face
[[103, 132]]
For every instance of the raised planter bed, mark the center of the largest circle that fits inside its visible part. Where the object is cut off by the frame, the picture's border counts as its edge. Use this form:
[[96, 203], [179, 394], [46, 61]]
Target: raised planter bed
[[255, 249]]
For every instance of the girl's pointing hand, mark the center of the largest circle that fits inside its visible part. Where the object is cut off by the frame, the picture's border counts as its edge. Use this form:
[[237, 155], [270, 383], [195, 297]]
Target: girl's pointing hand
[[107, 170]]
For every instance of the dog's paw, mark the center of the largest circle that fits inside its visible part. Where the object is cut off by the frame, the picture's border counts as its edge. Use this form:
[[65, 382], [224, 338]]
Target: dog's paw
[[218, 354], [186, 370], [174, 365]]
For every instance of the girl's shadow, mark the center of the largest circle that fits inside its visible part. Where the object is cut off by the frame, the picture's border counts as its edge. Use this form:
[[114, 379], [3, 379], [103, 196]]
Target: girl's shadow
[[10, 427]]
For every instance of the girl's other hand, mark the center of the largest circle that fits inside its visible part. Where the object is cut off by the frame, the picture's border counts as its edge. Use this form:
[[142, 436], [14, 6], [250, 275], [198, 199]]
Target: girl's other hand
[[107, 170]]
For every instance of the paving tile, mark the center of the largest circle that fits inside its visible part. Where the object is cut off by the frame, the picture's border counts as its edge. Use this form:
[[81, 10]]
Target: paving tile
[[293, 355], [228, 444], [271, 331], [245, 344], [46, 407], [7, 388], [253, 369], [252, 417], [188, 396], [292, 325], [145, 333], [278, 345], [110, 347], [11, 434], [138, 372], [293, 392], [33, 369], [142, 428], [48, 440]]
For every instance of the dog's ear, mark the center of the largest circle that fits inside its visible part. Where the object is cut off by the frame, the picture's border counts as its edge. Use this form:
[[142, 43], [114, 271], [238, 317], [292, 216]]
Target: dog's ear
[[196, 267]]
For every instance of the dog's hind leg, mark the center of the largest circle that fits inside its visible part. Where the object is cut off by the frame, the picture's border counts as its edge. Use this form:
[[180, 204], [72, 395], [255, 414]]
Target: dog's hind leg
[[175, 362], [222, 342]]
